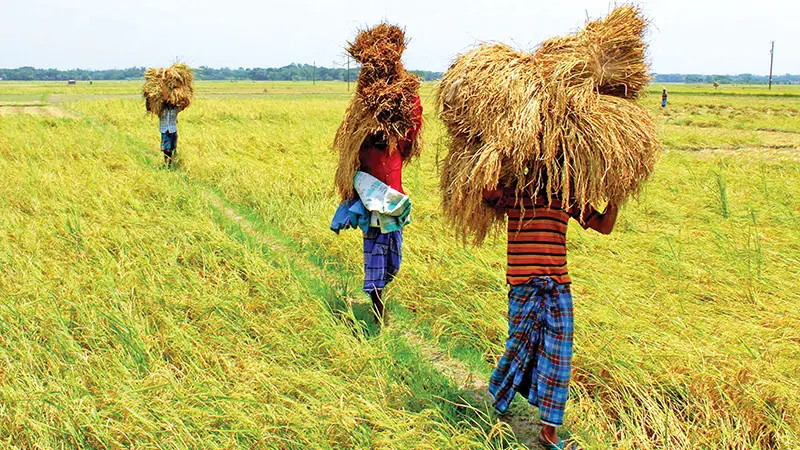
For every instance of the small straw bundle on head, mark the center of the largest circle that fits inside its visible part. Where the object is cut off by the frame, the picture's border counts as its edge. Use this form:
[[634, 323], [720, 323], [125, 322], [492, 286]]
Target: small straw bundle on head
[[383, 102], [563, 121], [177, 83]]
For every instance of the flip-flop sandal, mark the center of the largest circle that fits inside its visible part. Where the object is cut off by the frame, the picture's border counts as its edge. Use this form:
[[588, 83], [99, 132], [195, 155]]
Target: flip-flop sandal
[[561, 445]]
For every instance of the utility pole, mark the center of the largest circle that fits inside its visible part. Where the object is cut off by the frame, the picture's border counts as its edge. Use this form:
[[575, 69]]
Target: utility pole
[[343, 65], [314, 77], [771, 59]]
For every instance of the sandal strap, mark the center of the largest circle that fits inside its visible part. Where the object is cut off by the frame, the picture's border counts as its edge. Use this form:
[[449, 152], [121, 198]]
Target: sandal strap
[[550, 446]]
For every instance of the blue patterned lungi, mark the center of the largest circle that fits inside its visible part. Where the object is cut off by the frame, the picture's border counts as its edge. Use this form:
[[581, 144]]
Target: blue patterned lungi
[[169, 141], [538, 357], [382, 256]]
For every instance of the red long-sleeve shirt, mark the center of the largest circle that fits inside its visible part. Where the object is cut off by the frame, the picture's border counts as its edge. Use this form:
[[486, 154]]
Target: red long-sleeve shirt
[[386, 164]]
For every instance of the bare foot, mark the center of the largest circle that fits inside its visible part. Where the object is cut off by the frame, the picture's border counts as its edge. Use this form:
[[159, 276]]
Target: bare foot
[[378, 307], [548, 434]]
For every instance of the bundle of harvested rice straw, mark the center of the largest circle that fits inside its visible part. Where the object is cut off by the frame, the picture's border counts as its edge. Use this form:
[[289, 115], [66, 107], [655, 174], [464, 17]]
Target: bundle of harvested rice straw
[[383, 102], [562, 121], [176, 84]]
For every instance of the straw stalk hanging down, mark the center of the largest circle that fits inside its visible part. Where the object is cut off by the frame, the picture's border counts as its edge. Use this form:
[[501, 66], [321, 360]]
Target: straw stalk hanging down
[[563, 121]]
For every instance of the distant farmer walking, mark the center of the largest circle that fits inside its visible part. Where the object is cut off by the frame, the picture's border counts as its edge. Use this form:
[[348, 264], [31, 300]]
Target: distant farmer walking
[[168, 126], [378, 136], [168, 92], [664, 98]]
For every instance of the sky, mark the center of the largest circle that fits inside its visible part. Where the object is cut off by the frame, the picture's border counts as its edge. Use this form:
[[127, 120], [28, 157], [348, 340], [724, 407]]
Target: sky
[[686, 36]]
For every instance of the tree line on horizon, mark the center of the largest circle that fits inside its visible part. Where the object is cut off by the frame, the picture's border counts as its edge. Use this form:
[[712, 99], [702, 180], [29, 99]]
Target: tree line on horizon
[[745, 78], [307, 72], [292, 72]]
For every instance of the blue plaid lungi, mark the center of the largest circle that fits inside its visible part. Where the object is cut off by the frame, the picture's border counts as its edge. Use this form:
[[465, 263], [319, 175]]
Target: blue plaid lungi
[[382, 256], [538, 357], [169, 141]]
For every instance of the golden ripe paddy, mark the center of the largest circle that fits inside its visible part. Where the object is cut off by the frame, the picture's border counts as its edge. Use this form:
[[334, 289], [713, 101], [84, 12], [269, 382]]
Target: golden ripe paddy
[[208, 305]]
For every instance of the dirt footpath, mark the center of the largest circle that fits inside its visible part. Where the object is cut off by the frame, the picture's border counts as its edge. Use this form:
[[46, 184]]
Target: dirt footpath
[[48, 111]]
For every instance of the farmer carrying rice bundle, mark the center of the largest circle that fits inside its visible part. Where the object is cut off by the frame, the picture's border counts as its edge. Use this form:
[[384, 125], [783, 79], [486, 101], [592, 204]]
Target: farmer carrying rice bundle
[[166, 93], [378, 136], [541, 138]]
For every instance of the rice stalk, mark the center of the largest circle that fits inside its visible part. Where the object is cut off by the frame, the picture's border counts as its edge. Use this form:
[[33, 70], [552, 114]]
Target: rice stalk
[[173, 86], [384, 101], [563, 120]]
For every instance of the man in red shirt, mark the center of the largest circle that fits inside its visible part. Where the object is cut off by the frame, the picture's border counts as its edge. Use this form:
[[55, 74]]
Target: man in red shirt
[[383, 251]]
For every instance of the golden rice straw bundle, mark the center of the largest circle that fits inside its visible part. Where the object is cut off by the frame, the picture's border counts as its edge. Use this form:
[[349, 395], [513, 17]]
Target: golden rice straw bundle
[[175, 83], [563, 120], [383, 102]]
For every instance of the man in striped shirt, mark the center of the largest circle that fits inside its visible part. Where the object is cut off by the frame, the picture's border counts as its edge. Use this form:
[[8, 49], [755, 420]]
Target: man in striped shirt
[[538, 359]]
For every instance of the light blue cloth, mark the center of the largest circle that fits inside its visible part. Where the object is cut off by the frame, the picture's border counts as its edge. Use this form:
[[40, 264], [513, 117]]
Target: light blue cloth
[[378, 206], [391, 209], [168, 121], [350, 214]]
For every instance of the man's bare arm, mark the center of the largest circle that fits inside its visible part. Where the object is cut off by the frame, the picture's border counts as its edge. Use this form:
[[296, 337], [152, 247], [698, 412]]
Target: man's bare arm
[[604, 223], [493, 198]]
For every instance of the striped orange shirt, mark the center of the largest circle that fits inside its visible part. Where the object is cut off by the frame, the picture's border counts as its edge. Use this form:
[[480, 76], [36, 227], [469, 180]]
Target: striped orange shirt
[[537, 237]]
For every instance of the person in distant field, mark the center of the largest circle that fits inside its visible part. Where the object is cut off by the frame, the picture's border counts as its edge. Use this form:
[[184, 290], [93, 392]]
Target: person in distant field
[[538, 358], [664, 98], [168, 126], [383, 251]]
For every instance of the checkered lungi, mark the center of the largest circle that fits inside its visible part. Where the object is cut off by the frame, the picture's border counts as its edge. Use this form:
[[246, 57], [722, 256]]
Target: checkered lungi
[[538, 357], [382, 256], [169, 141]]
